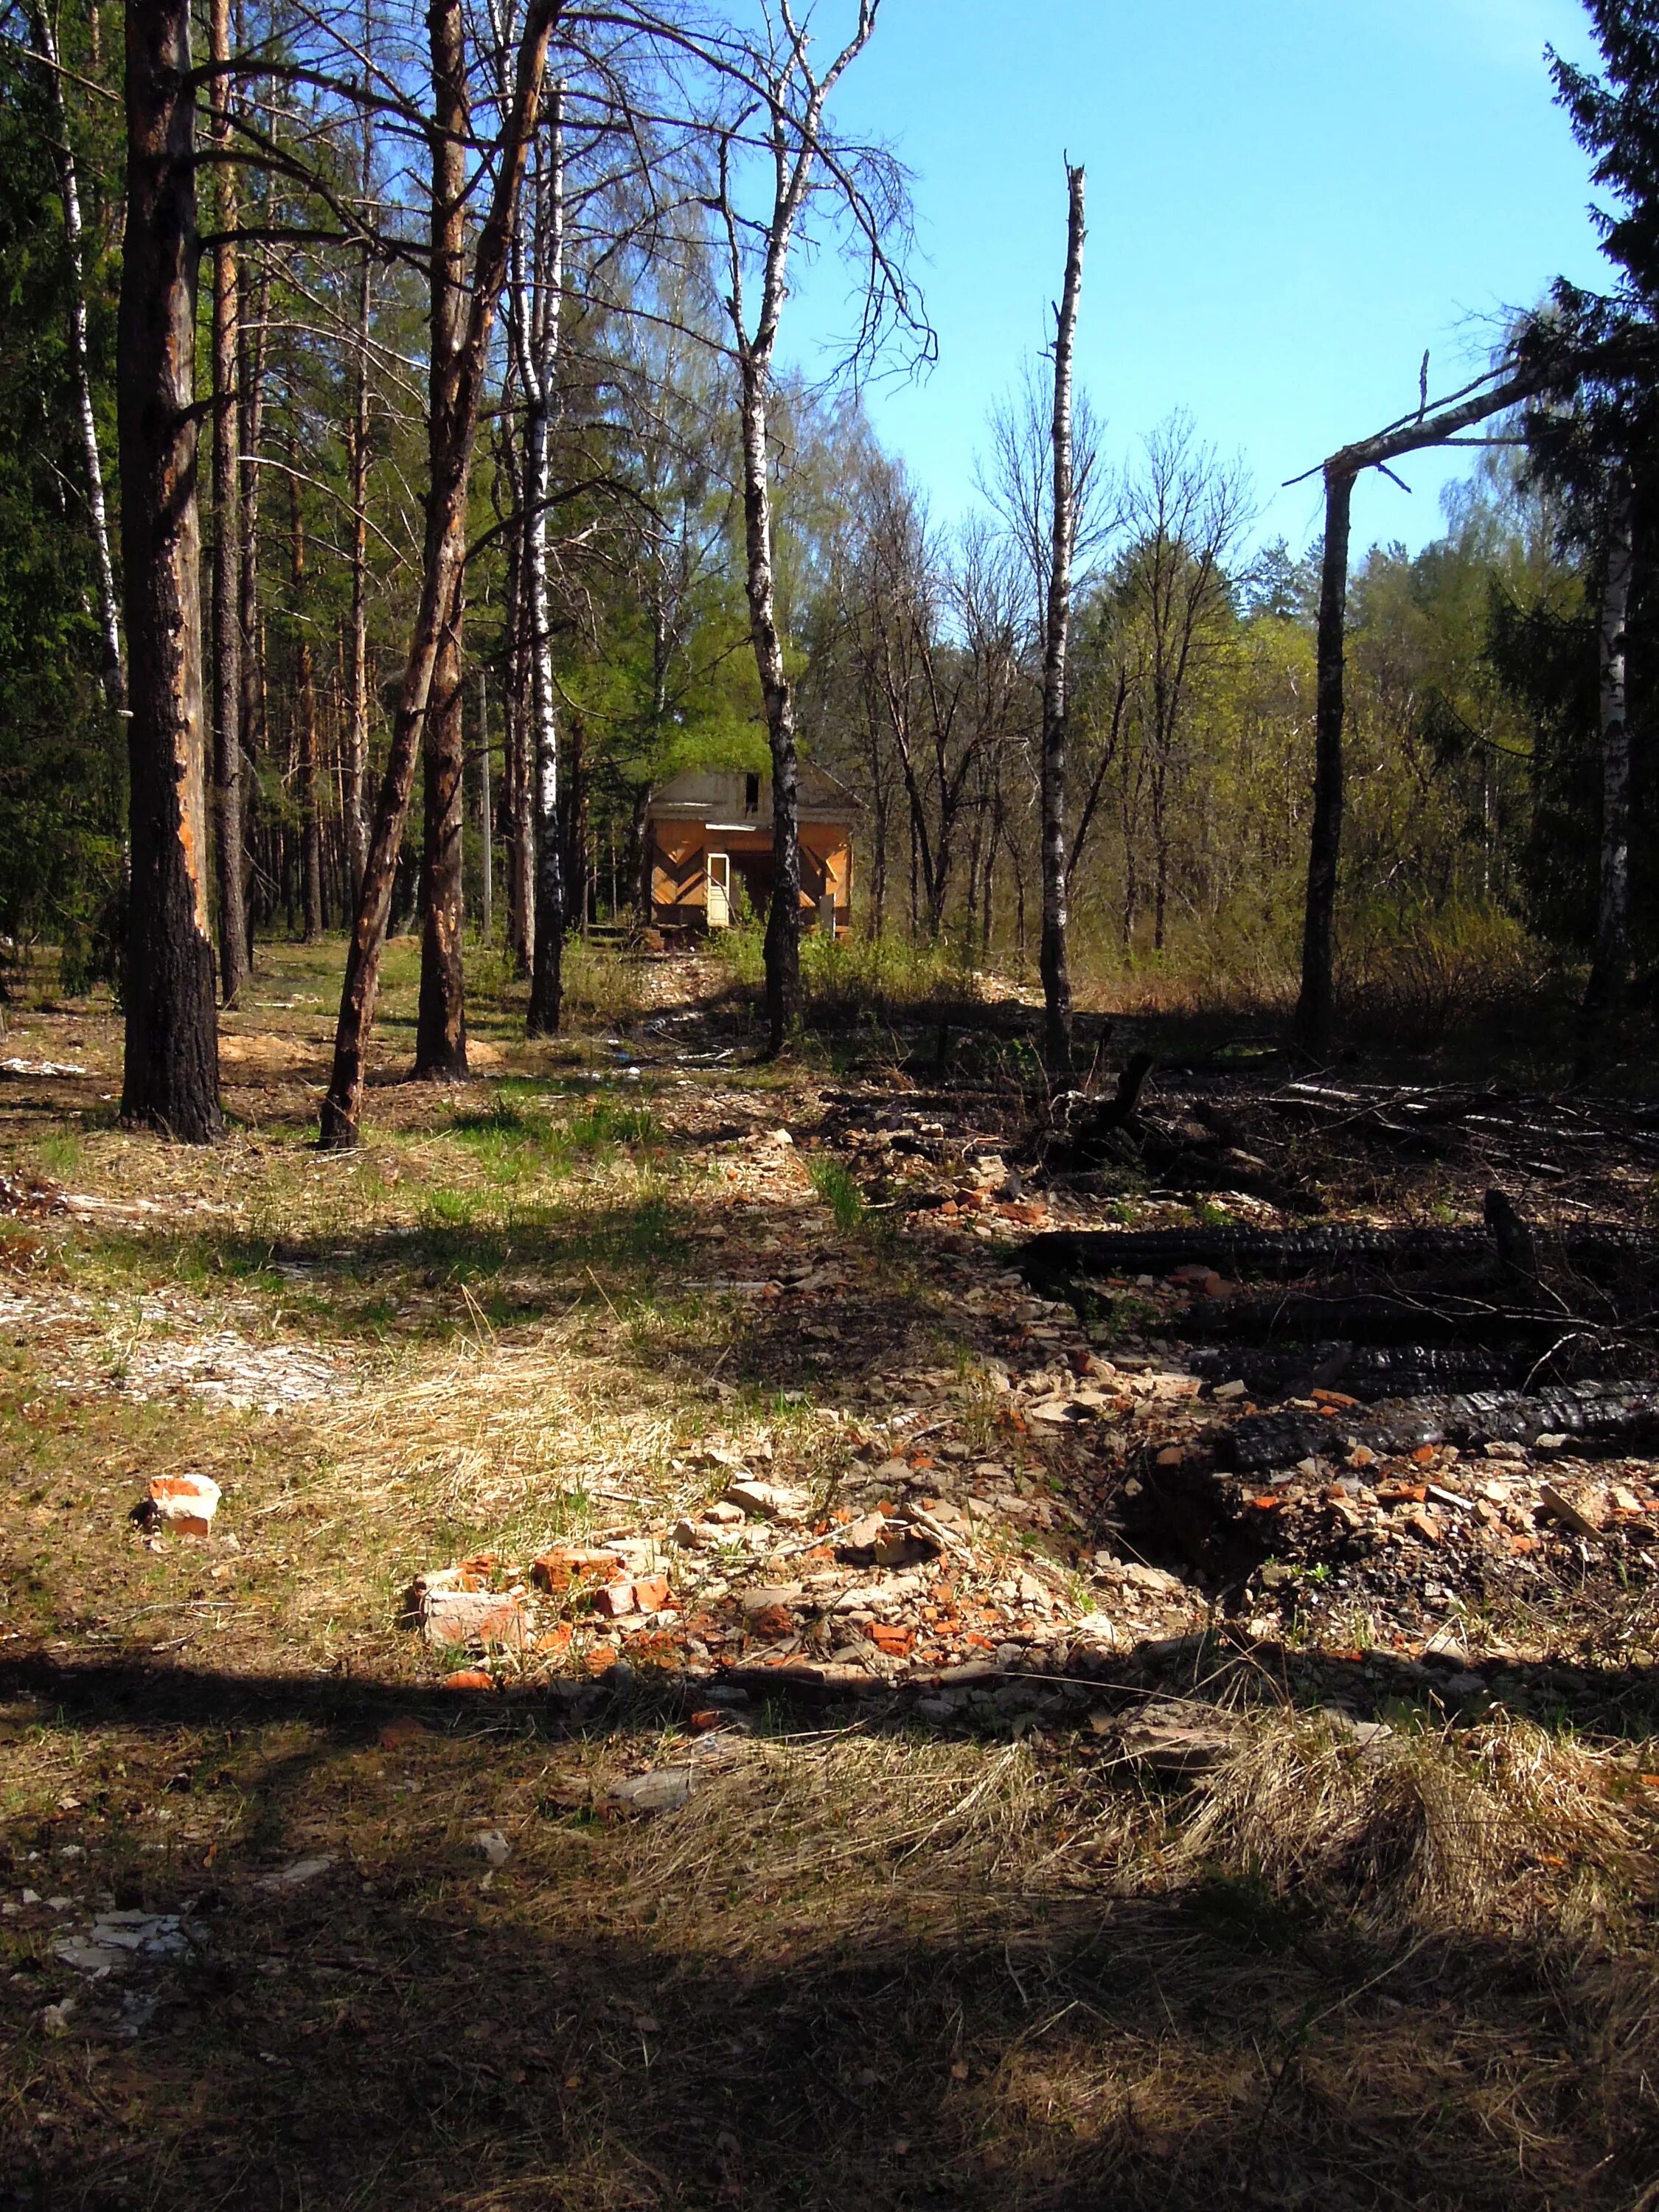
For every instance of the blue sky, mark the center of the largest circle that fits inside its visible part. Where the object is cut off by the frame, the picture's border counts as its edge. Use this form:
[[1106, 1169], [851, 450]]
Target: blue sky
[[1288, 200]]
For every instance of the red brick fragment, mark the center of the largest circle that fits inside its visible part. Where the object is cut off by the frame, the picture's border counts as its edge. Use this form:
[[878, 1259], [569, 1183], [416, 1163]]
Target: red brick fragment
[[895, 1642], [469, 1678], [650, 1592], [568, 1566]]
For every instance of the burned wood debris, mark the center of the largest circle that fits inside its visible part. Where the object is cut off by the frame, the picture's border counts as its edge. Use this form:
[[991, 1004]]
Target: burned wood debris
[[1087, 1141], [1214, 1127], [1353, 1374]]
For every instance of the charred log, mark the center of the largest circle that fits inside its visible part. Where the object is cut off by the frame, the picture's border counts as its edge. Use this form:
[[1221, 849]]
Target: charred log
[[1601, 1419], [1600, 1252]]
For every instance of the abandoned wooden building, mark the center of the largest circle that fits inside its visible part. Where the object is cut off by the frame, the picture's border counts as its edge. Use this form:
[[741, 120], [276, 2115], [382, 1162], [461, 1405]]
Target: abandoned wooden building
[[710, 833]]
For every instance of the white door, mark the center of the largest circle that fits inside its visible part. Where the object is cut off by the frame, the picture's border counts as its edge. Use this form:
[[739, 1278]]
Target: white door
[[719, 890]]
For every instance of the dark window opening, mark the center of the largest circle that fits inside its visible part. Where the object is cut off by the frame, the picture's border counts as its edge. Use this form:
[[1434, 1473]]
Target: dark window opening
[[751, 794]]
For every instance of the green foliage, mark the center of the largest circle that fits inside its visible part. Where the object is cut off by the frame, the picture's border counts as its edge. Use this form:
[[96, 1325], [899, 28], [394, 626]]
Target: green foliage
[[836, 1187], [62, 766]]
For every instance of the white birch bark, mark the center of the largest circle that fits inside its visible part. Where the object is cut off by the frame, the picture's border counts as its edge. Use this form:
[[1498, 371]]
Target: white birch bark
[[537, 293], [109, 618], [1056, 983]]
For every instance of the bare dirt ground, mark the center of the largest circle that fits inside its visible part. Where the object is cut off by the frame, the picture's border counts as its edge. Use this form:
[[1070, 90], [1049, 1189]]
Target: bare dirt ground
[[709, 1686]]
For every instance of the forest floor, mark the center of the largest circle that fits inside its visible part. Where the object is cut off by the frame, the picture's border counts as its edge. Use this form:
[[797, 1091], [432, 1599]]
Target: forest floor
[[677, 1705]]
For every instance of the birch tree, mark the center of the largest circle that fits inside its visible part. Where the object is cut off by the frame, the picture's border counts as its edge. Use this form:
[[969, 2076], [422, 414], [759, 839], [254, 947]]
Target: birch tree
[[782, 117], [537, 294], [445, 551], [69, 193], [1056, 981]]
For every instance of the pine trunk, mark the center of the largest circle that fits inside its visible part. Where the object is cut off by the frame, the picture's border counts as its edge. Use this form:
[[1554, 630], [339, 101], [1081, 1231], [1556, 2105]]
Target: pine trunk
[[1609, 975], [440, 1020], [227, 534], [355, 767], [311, 824], [251, 709], [171, 1068]]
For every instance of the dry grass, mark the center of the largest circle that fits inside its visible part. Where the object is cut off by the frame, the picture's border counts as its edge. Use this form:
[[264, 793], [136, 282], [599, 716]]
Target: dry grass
[[1503, 1829]]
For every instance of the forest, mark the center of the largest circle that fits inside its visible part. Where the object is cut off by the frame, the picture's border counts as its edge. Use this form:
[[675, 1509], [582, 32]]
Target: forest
[[829, 1317], [617, 406]]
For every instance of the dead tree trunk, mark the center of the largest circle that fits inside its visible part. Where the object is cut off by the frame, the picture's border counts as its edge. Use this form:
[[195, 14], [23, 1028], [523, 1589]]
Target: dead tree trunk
[[1314, 1010], [69, 193], [446, 552], [172, 1066], [1056, 983], [1610, 968], [441, 1021]]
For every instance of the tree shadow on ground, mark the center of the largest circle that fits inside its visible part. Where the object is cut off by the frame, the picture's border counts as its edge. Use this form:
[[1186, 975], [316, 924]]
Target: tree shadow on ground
[[642, 2015]]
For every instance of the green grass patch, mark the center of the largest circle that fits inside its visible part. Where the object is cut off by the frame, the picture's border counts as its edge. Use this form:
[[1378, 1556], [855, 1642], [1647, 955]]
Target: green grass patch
[[833, 1184]]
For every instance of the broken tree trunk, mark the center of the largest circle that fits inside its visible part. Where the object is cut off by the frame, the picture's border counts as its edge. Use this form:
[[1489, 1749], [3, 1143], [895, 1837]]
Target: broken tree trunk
[[1056, 983], [172, 1065], [446, 550], [1314, 1011], [440, 1020]]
